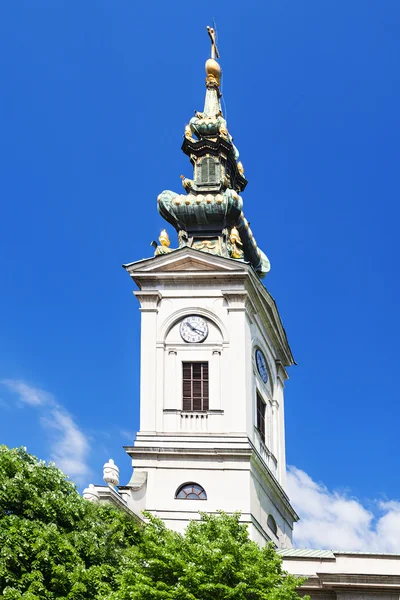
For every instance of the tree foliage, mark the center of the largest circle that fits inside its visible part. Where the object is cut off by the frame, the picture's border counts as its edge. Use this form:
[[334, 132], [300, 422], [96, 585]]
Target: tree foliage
[[53, 543], [214, 559], [56, 545]]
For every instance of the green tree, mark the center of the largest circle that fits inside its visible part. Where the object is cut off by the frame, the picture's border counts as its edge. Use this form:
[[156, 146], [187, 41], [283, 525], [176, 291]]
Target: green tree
[[214, 559], [56, 545], [53, 543]]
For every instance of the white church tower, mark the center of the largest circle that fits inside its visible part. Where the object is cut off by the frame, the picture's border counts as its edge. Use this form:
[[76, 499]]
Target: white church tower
[[213, 353]]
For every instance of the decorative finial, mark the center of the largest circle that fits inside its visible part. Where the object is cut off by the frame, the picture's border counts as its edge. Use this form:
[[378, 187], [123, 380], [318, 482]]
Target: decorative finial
[[91, 494], [111, 473]]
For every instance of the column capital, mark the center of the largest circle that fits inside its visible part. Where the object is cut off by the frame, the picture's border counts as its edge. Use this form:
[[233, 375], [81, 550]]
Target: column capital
[[149, 300], [236, 299]]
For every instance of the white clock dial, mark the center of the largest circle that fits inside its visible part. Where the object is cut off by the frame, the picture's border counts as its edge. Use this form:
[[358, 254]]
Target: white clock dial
[[193, 329]]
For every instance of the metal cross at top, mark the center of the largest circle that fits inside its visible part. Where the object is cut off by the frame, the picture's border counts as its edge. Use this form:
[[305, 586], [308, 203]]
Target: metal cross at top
[[213, 37]]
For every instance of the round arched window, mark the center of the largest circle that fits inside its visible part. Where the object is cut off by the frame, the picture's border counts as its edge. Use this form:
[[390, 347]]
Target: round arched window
[[191, 491], [272, 524]]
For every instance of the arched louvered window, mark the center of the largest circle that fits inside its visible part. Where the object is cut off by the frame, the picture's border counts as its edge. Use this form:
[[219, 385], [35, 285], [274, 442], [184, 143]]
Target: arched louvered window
[[191, 491], [272, 524], [207, 171]]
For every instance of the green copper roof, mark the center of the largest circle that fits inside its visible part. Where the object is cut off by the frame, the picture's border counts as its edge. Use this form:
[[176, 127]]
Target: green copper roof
[[306, 553]]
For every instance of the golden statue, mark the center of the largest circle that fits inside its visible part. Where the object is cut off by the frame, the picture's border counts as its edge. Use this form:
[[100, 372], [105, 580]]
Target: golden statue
[[236, 242], [187, 183], [164, 238], [224, 131], [188, 133], [164, 247]]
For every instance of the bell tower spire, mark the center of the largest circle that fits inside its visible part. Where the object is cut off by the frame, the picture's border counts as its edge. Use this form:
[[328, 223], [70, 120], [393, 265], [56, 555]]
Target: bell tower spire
[[210, 214], [214, 350]]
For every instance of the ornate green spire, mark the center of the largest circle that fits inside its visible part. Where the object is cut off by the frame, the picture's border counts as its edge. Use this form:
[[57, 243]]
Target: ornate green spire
[[209, 216]]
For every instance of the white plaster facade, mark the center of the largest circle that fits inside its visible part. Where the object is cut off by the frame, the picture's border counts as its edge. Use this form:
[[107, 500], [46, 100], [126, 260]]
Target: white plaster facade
[[333, 575], [220, 448]]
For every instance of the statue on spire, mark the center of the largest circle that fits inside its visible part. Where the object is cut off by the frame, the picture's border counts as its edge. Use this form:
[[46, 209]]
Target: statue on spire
[[213, 37]]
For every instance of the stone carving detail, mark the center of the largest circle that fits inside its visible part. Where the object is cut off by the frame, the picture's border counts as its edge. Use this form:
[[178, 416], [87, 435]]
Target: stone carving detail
[[111, 473], [91, 494]]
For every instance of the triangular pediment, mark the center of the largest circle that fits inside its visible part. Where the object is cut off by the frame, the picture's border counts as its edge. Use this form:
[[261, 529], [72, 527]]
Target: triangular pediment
[[186, 259]]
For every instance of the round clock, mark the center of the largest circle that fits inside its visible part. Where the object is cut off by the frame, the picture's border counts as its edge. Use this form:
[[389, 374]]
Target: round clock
[[193, 329], [262, 365]]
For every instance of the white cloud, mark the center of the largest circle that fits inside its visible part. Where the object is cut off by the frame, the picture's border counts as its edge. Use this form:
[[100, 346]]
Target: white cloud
[[332, 519], [27, 393], [69, 446]]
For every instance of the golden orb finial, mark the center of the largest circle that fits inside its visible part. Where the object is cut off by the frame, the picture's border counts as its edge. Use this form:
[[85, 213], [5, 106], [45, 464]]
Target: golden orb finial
[[213, 70]]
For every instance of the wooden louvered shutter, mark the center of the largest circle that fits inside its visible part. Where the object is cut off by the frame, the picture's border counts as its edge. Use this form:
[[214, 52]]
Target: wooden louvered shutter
[[261, 417], [187, 386], [205, 385], [207, 171], [204, 171], [212, 170], [195, 386]]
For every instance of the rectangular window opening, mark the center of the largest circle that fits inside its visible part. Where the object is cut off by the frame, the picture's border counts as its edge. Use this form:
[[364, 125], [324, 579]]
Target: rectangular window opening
[[195, 386], [261, 416]]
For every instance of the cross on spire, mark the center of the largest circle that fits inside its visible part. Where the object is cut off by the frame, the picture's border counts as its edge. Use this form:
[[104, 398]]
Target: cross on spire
[[213, 37]]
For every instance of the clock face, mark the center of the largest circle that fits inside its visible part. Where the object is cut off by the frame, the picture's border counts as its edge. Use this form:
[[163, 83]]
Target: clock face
[[193, 329], [262, 365]]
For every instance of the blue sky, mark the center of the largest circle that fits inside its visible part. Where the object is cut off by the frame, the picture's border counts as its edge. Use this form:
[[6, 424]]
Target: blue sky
[[94, 99]]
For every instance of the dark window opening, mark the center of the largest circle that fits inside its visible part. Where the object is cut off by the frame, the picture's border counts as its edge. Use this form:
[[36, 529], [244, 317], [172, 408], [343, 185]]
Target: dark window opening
[[261, 417], [195, 386], [272, 524]]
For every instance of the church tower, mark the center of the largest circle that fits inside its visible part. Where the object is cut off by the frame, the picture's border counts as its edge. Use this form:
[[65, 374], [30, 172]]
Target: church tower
[[214, 352]]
